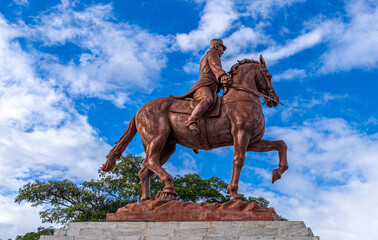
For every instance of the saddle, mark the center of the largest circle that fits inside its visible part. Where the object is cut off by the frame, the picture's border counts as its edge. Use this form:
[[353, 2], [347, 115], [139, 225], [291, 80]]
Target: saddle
[[187, 105]]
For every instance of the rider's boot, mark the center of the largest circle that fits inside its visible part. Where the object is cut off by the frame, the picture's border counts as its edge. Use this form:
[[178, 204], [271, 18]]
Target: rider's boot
[[198, 112], [192, 126]]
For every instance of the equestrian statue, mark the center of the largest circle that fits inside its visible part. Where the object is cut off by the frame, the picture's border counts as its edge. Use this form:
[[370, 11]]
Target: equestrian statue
[[200, 119]]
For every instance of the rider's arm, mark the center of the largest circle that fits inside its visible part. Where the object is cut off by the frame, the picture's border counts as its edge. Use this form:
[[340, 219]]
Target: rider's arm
[[216, 65]]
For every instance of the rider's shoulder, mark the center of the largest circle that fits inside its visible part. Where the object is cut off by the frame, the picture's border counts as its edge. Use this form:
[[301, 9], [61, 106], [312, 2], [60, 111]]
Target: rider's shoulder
[[212, 53]]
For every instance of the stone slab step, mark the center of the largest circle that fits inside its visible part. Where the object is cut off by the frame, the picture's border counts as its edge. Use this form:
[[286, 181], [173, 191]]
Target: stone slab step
[[242, 230]]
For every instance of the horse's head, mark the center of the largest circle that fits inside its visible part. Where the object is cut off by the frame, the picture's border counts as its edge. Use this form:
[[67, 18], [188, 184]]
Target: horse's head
[[264, 84]]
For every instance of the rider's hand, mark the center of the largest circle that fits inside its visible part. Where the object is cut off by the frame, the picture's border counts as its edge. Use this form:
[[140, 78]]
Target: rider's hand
[[226, 80]]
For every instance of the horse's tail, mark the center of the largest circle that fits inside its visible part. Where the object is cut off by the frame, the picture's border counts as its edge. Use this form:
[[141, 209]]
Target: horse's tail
[[120, 146]]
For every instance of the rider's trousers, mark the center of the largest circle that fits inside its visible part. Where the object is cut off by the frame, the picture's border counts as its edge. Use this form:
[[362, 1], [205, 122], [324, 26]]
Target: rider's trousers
[[205, 97]]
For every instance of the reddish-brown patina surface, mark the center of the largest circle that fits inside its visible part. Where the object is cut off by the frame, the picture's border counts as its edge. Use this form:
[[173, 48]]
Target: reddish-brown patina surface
[[205, 122], [173, 210]]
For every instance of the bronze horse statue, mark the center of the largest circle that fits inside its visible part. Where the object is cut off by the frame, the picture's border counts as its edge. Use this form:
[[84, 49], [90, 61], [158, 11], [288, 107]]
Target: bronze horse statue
[[240, 122]]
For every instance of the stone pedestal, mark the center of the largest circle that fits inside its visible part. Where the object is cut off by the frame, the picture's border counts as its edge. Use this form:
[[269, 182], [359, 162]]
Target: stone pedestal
[[209, 230], [177, 211]]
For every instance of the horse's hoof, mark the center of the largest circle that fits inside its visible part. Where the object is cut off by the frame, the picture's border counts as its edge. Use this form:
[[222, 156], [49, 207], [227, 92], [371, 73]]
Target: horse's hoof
[[168, 196], [276, 174], [109, 165], [168, 193]]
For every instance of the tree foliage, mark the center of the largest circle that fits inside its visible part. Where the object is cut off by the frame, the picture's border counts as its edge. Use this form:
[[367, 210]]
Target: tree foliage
[[36, 235], [91, 200]]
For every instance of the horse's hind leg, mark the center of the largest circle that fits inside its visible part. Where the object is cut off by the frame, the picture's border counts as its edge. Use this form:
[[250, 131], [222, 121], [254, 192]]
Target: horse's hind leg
[[266, 146], [152, 162], [145, 174]]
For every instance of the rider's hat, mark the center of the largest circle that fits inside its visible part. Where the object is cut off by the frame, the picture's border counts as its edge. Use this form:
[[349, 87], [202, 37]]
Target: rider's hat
[[219, 42]]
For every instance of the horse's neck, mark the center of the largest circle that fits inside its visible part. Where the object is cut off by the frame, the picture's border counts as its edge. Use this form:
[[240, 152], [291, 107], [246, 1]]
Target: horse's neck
[[246, 77]]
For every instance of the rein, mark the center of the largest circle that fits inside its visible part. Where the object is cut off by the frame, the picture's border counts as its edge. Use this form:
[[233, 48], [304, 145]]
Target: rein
[[249, 90]]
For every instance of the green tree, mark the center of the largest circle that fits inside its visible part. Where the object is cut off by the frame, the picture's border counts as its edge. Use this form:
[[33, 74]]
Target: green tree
[[91, 200], [193, 188], [36, 235]]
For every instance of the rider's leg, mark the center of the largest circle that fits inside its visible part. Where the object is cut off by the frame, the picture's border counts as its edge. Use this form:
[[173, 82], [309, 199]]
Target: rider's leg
[[204, 97]]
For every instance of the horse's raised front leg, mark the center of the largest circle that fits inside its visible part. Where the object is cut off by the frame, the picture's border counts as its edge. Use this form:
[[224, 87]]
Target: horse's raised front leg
[[241, 139], [145, 174], [266, 146]]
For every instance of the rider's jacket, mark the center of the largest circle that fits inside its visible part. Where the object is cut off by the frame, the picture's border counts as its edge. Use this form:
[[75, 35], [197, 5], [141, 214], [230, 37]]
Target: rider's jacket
[[210, 72]]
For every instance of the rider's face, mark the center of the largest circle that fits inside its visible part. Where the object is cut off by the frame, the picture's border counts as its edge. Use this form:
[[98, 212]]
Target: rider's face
[[220, 51]]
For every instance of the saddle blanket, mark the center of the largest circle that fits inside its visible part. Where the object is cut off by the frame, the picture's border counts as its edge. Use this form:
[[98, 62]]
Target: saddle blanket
[[187, 105]]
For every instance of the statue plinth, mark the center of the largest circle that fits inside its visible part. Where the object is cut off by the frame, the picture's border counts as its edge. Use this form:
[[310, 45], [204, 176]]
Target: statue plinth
[[168, 211], [246, 230]]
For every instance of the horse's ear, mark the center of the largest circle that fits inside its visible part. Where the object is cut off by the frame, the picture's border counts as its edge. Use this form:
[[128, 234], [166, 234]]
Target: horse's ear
[[262, 61]]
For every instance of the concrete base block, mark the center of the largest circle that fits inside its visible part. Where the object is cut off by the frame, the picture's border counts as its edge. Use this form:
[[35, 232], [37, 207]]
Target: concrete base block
[[242, 230]]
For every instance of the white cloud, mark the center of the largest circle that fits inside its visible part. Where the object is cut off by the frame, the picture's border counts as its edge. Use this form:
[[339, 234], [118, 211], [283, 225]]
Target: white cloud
[[274, 53], [189, 165], [331, 181], [21, 2], [216, 19], [244, 38], [13, 214], [41, 134], [304, 41], [191, 67], [290, 74], [371, 120], [224, 151], [117, 58], [265, 8], [351, 45], [300, 105], [354, 45]]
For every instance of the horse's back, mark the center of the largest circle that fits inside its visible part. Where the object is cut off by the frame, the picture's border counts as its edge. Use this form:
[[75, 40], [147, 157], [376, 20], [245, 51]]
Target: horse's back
[[157, 105], [152, 119]]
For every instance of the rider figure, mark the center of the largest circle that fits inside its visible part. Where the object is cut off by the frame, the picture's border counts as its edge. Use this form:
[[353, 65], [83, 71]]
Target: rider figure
[[205, 90]]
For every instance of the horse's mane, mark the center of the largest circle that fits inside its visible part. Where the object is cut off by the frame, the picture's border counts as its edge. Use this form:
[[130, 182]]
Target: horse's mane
[[236, 65]]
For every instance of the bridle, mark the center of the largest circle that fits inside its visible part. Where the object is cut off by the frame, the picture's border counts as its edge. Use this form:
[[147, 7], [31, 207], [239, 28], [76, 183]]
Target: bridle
[[257, 93]]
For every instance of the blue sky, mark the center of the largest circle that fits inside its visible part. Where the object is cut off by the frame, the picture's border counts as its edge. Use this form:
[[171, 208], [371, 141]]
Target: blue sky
[[73, 73]]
